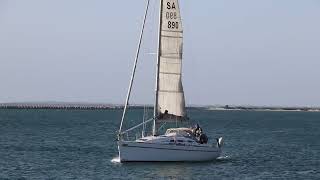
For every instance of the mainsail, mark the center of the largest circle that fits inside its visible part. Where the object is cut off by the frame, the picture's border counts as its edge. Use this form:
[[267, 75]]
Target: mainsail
[[170, 101]]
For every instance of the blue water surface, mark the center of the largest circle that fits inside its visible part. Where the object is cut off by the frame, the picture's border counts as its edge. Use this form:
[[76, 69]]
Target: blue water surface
[[80, 144]]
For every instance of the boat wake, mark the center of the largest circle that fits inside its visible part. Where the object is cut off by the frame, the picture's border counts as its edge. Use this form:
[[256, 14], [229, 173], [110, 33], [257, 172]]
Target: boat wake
[[116, 160], [223, 157]]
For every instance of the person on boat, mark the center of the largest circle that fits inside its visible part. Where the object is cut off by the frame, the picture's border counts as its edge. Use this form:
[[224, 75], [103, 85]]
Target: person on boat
[[164, 115], [198, 133], [197, 130], [203, 139]]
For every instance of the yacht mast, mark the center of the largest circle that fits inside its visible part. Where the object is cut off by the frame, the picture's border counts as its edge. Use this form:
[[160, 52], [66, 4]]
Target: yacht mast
[[155, 113]]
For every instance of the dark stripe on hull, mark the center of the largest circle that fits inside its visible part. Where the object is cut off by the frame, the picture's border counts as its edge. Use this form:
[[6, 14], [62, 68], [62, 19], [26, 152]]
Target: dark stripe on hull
[[169, 149]]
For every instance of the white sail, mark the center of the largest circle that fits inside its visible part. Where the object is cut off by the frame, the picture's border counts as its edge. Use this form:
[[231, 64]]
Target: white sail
[[170, 96]]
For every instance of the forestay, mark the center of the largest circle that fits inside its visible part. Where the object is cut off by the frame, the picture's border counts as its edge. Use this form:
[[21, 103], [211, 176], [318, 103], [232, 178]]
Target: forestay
[[171, 102]]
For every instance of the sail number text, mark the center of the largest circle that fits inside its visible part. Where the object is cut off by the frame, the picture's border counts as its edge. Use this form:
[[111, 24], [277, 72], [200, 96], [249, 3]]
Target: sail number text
[[172, 16], [173, 25]]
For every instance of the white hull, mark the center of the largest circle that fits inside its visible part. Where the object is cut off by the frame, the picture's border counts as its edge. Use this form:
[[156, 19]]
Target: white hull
[[138, 151]]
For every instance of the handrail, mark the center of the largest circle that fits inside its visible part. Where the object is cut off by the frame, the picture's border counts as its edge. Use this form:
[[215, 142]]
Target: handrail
[[135, 127]]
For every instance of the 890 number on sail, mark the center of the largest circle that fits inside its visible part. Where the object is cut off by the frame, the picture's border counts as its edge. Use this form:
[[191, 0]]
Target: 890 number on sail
[[173, 25]]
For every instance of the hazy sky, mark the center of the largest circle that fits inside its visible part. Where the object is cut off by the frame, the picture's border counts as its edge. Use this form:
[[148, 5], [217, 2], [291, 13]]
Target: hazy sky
[[257, 52]]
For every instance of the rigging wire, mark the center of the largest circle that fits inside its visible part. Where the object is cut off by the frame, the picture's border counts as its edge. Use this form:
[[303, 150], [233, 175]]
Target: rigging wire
[[134, 66]]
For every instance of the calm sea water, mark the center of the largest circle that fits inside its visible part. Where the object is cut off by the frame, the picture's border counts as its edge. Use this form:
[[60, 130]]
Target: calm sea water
[[65, 144]]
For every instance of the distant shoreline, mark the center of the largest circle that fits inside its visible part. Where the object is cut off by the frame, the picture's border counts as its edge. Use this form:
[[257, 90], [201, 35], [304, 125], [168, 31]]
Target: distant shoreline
[[258, 108], [84, 106], [87, 106]]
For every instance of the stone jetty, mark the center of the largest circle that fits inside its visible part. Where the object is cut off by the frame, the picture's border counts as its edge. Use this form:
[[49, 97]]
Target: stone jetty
[[58, 106]]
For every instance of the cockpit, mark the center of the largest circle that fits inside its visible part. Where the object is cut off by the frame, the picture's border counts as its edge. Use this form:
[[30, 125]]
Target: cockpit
[[192, 133]]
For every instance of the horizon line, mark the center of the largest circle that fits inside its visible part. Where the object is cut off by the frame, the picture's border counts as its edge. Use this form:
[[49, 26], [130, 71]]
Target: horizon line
[[147, 104]]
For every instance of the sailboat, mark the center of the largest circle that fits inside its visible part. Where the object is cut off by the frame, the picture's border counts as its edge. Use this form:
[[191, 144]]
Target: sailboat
[[179, 143]]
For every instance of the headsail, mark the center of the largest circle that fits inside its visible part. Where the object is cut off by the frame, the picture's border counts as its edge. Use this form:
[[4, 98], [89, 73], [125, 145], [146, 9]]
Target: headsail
[[170, 96]]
